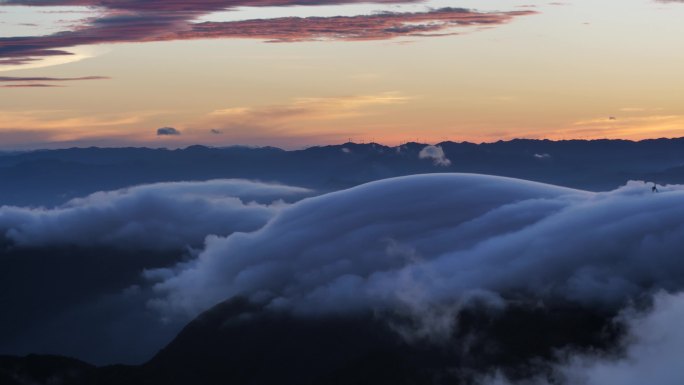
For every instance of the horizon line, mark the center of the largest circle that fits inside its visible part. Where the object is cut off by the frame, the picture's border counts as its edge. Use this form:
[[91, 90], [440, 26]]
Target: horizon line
[[237, 145]]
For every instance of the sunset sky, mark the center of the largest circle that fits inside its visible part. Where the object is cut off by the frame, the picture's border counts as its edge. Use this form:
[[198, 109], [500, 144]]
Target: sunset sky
[[296, 73]]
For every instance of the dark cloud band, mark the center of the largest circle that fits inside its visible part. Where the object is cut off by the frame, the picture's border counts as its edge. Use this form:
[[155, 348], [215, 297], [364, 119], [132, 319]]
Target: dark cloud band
[[144, 21], [32, 85]]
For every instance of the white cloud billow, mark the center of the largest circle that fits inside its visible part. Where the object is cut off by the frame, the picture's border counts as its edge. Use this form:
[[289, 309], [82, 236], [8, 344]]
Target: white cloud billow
[[433, 240], [436, 153]]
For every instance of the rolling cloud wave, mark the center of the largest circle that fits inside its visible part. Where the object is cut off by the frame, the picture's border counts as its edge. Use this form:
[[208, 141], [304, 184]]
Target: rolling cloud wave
[[158, 216], [440, 237], [426, 247]]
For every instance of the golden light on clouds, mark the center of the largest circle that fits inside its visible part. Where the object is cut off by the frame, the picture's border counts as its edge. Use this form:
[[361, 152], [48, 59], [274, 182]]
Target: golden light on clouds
[[302, 116], [329, 108], [60, 125]]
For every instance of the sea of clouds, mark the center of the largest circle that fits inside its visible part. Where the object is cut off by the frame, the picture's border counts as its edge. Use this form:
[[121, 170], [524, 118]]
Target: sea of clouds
[[419, 246]]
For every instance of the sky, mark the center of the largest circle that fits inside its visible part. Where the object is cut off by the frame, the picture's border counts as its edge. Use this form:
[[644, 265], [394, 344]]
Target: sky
[[297, 73]]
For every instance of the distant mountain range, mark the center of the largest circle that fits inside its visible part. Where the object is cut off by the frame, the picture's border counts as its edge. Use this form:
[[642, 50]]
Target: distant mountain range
[[52, 177]]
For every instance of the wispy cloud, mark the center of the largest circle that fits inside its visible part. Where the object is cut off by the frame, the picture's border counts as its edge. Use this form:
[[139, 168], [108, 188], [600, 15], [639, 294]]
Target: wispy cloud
[[41, 81], [314, 108], [44, 126], [301, 118], [48, 79]]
